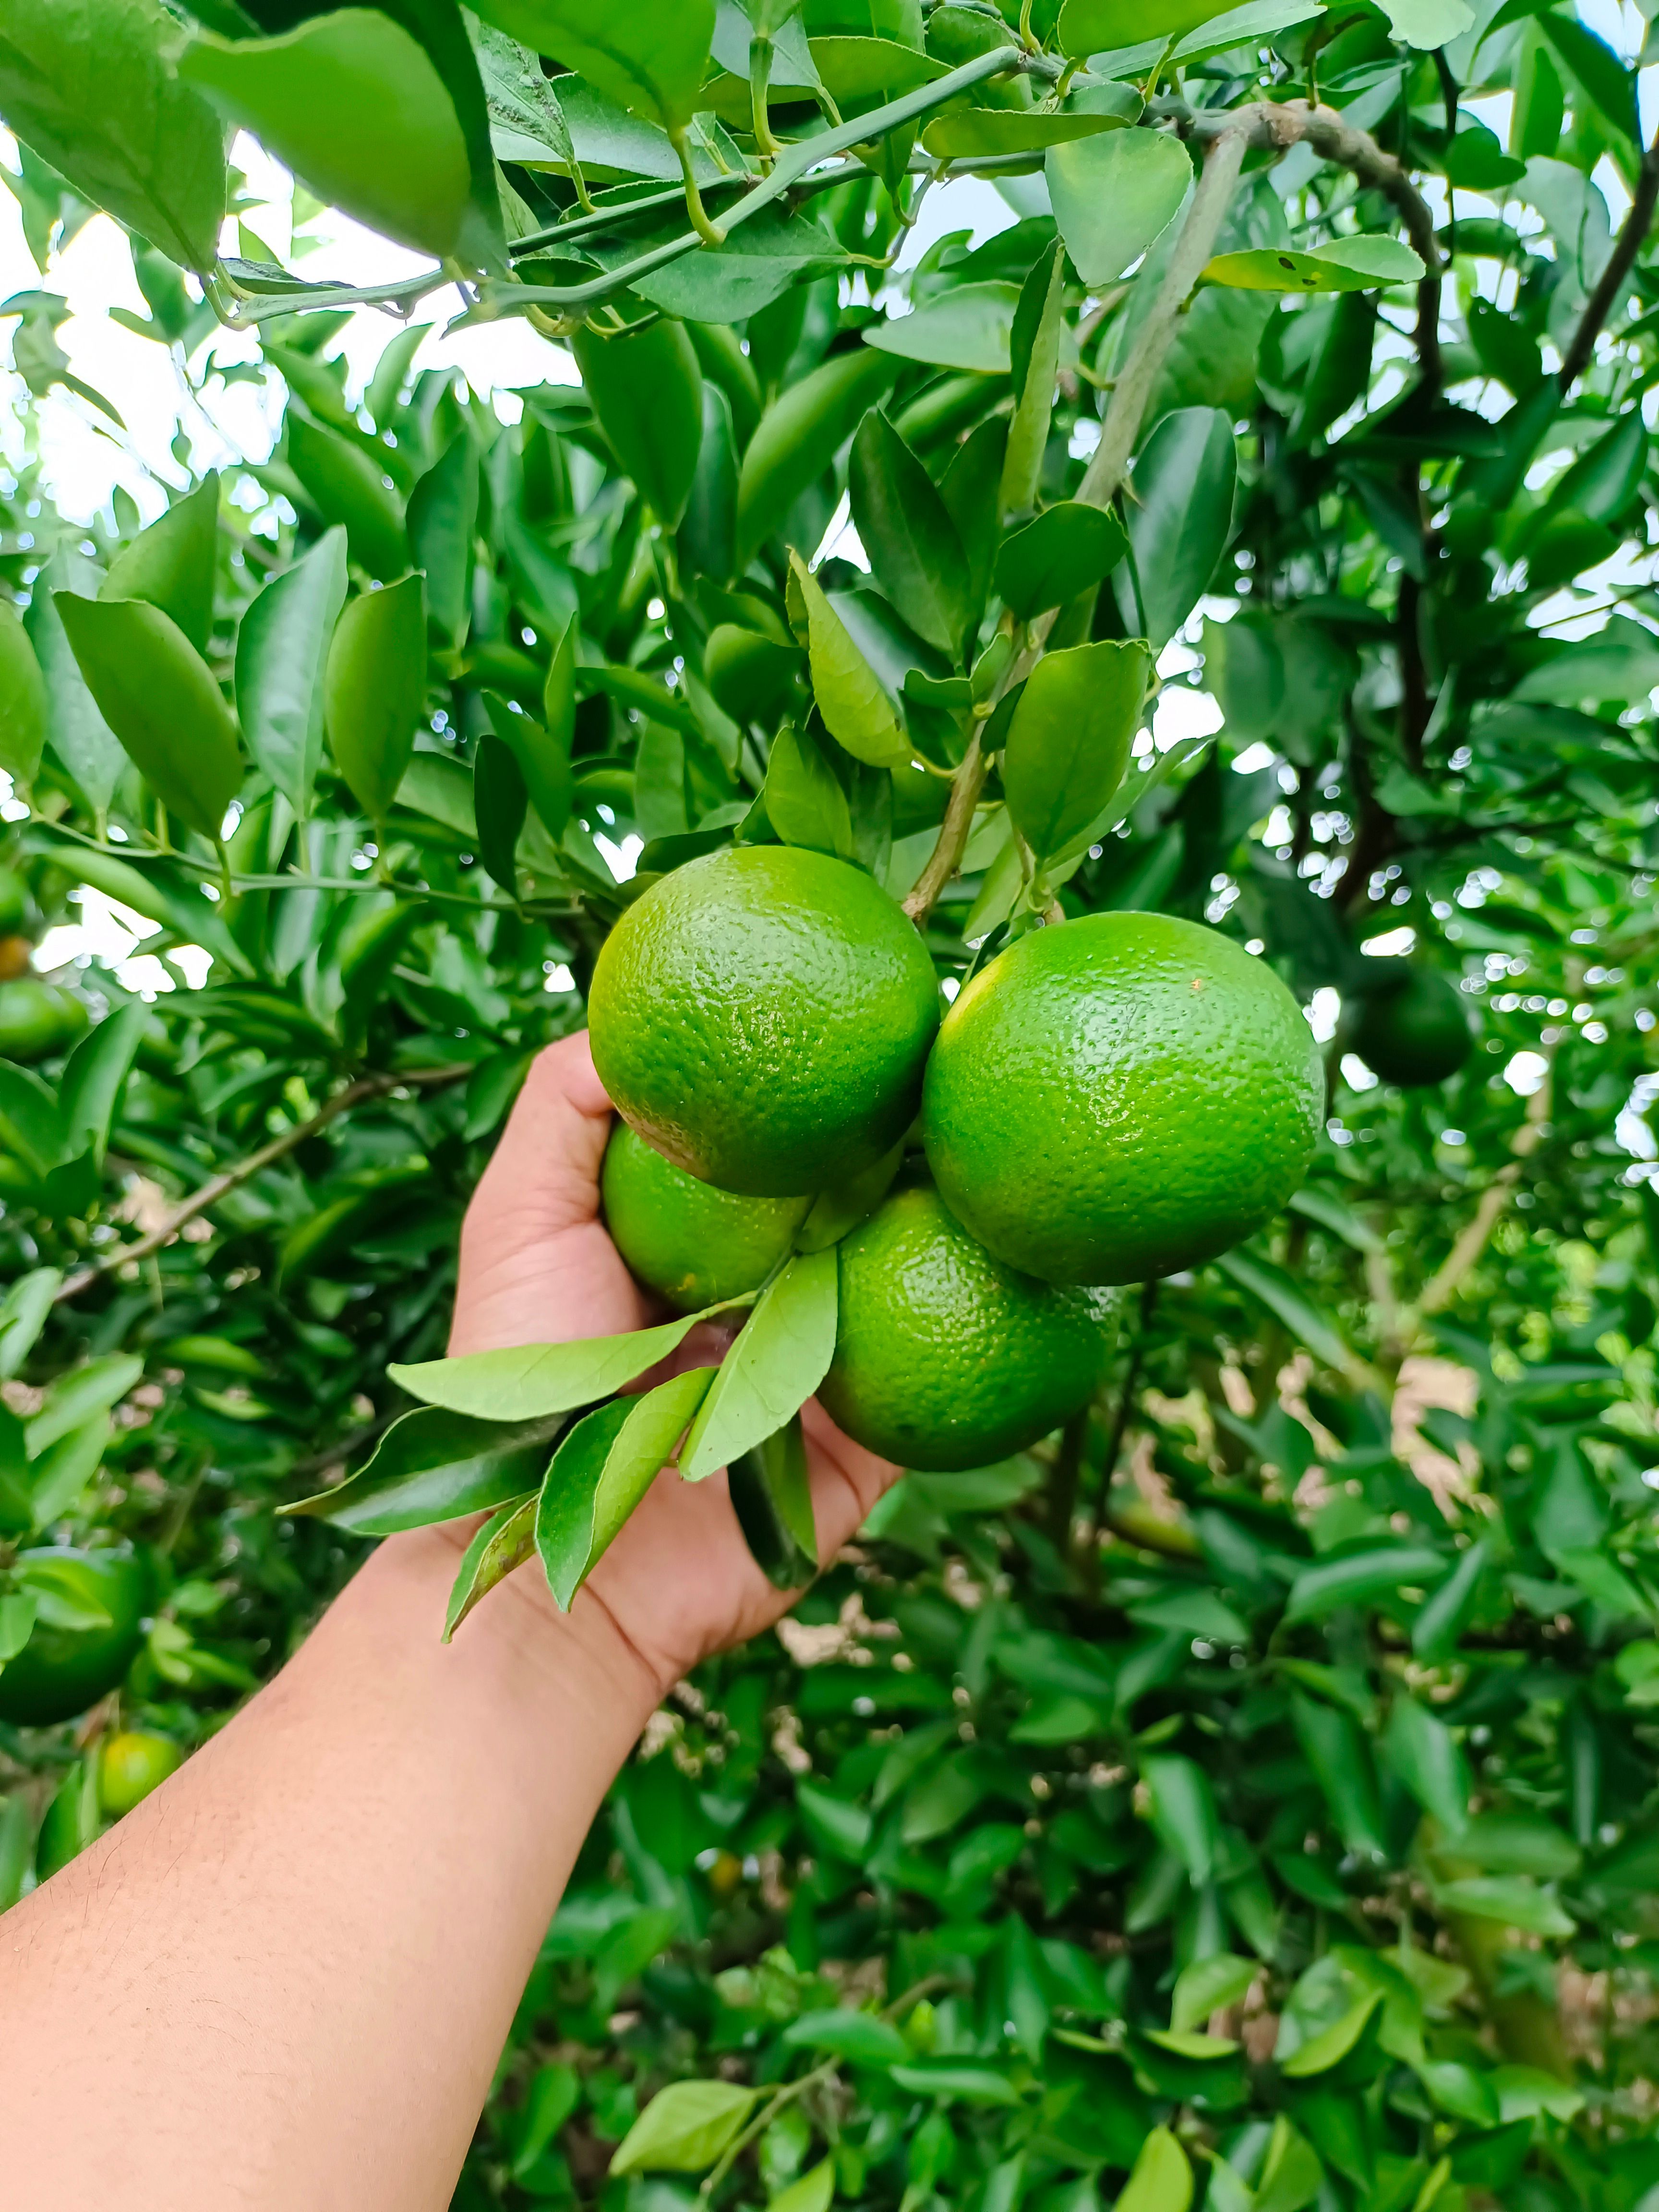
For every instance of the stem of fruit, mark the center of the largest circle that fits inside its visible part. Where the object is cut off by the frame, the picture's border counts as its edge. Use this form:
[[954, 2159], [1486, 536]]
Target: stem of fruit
[[946, 856], [709, 233], [369, 1086], [760, 73]]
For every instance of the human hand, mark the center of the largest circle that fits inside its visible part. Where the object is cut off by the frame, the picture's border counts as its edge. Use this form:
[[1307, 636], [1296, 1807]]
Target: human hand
[[536, 1266]]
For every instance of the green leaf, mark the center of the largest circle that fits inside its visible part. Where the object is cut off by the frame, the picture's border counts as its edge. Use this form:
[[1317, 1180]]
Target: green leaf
[[805, 802], [527, 1381], [24, 1312], [647, 391], [1321, 2053], [651, 56], [1285, 1299], [861, 73], [1114, 194], [1337, 1749], [90, 1086], [772, 1497], [1209, 1985], [813, 2192], [1034, 345], [856, 711], [1069, 740], [1427, 1757], [23, 700], [777, 1362], [158, 695], [1510, 1899], [82, 1392], [78, 734], [352, 104], [1069, 548], [1344, 264], [769, 256], [543, 763], [799, 437], [1518, 1843], [348, 487], [1428, 23], [1161, 2180], [1180, 516], [499, 805], [435, 1465], [85, 83], [685, 2128], [281, 651], [1184, 1813], [968, 327], [64, 1468], [1360, 1578], [908, 533], [861, 2037], [173, 563], [31, 1126], [442, 522], [506, 1540], [601, 1471], [985, 133], [954, 2077], [1292, 2175], [374, 691]]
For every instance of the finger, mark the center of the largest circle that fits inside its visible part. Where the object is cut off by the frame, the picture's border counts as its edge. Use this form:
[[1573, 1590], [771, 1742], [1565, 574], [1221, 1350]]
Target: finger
[[551, 1150], [847, 1481]]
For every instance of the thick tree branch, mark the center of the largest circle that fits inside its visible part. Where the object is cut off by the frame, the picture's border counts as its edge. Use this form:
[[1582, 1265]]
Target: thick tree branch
[[228, 1179], [1639, 221]]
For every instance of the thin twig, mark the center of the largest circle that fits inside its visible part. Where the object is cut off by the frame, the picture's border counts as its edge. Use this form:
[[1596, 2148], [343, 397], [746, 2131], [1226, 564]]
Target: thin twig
[[946, 856], [1638, 220], [1448, 1278], [229, 1179]]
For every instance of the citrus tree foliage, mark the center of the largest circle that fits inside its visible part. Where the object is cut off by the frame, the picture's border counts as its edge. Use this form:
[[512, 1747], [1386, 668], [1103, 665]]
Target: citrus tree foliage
[[1247, 1796]]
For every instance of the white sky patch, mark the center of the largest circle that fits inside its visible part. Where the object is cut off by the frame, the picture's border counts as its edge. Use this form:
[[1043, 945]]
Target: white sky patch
[[621, 858], [841, 540], [1356, 1074], [1630, 1131], [114, 935], [1254, 758], [1324, 1011], [1181, 713], [1391, 945]]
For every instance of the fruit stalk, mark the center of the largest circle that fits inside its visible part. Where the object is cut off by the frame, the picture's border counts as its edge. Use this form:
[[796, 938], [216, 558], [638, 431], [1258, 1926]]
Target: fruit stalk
[[946, 855]]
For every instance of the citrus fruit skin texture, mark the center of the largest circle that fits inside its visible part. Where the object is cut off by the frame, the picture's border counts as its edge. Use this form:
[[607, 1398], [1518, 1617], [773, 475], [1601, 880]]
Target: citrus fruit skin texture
[[1118, 1098], [60, 1672], [130, 1766], [945, 1358], [685, 1239], [37, 1019], [1416, 1031], [762, 1016]]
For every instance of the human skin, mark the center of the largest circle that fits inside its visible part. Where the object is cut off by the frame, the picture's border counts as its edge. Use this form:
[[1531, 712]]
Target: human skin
[[284, 1981]]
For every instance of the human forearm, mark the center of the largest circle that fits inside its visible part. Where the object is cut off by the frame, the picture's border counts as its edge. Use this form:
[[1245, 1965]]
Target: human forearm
[[291, 1971]]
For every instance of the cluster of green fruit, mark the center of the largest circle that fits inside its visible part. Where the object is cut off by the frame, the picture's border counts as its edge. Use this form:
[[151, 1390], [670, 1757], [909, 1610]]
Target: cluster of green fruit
[[38, 1021], [1109, 1101]]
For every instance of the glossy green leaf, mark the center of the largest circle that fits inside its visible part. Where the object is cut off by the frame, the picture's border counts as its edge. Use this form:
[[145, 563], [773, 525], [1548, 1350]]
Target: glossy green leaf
[[435, 1465], [708, 530], [805, 802], [499, 805], [798, 438], [1162, 2179], [442, 523], [1180, 514], [772, 1497], [1285, 1298], [953, 2078], [1427, 1757], [1034, 349], [814, 2191], [981, 133], [86, 84], [543, 764], [89, 1089], [78, 734], [760, 261], [1068, 742], [1112, 194], [777, 1362], [601, 1471], [1321, 2053], [528, 1381], [1183, 1812], [968, 327], [856, 711], [685, 2128], [352, 104], [158, 696], [646, 390], [173, 563], [374, 691], [1070, 548], [1209, 1985], [281, 651], [1344, 264], [24, 1312], [861, 2037], [1510, 1899], [908, 533], [350, 488], [23, 712], [1336, 1748], [651, 56], [1361, 1577], [505, 1542]]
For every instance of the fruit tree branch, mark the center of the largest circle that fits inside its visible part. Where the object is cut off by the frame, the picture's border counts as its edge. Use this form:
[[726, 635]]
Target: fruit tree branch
[[217, 1186], [946, 856], [1639, 221], [1448, 1278]]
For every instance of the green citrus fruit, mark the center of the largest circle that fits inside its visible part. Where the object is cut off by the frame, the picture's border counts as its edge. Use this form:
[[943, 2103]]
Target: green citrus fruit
[[1119, 1097], [1415, 1029], [14, 902], [71, 1823], [762, 1016], [694, 1243], [945, 1358], [37, 1019], [60, 1672], [130, 1766]]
